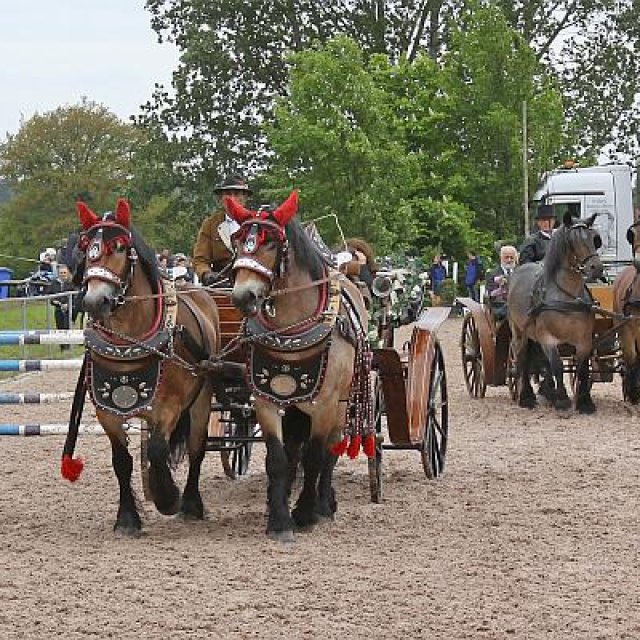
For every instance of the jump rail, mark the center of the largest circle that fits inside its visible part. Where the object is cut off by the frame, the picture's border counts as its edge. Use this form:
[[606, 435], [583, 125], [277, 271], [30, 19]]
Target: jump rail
[[70, 336], [57, 429], [40, 365], [35, 398]]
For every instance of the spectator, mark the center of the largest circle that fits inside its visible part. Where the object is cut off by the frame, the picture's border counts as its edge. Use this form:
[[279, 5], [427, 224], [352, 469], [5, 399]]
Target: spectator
[[64, 317], [498, 281], [437, 276], [472, 275]]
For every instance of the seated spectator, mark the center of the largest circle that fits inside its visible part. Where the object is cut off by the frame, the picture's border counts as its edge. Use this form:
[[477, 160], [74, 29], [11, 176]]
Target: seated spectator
[[498, 281]]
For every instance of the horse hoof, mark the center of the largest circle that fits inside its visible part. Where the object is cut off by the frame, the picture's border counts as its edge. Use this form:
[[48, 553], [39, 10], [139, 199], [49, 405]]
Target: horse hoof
[[562, 404], [528, 402], [304, 519], [587, 407], [192, 508], [128, 529], [167, 508], [283, 537]]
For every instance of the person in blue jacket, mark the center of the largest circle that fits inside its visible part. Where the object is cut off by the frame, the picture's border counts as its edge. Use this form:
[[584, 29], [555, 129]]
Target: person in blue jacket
[[472, 275]]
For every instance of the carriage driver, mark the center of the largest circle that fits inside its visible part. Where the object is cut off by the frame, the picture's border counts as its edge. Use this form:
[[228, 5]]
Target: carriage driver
[[213, 250], [536, 245]]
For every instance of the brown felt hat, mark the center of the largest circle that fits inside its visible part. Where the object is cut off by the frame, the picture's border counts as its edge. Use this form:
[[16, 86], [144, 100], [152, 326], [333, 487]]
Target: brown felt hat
[[233, 183]]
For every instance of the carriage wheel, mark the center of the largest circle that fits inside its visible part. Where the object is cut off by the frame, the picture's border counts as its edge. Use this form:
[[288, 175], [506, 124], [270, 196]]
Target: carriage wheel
[[375, 463], [512, 372], [144, 459], [436, 432], [235, 460], [472, 363]]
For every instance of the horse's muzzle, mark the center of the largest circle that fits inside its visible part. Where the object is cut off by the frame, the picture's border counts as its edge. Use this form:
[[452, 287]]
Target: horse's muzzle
[[247, 301]]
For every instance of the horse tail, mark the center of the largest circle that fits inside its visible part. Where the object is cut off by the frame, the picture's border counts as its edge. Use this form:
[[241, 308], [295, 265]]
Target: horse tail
[[71, 467], [179, 437]]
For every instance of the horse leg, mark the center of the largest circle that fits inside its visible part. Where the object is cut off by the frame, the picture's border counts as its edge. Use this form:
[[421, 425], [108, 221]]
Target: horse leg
[[527, 397], [166, 495], [584, 401], [279, 522], [327, 504], [191, 505], [314, 460], [296, 427], [562, 401]]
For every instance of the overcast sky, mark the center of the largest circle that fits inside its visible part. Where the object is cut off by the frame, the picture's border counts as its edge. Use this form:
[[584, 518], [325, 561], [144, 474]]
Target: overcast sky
[[54, 52]]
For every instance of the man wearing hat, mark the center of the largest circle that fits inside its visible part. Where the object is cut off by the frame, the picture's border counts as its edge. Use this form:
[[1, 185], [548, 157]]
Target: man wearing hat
[[536, 245], [212, 250]]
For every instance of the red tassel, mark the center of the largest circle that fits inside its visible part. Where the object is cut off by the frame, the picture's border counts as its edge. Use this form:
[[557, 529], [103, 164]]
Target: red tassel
[[369, 446], [354, 447], [340, 448], [71, 468]]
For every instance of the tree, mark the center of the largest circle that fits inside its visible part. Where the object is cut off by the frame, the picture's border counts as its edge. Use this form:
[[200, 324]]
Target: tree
[[336, 138], [54, 157]]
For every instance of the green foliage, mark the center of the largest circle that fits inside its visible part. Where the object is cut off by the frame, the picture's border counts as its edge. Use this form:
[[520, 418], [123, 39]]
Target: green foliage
[[55, 157]]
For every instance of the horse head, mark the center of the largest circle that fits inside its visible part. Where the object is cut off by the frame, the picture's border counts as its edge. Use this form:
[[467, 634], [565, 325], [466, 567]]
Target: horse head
[[583, 243], [110, 258], [261, 250]]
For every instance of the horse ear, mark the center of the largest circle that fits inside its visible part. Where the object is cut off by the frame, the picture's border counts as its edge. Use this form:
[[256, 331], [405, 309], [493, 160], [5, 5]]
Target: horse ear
[[123, 213], [567, 219], [87, 217], [236, 210], [591, 219], [287, 209]]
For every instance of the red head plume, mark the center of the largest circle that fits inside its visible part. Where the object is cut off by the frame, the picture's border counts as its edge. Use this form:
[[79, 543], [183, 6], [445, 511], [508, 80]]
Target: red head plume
[[123, 213], [287, 209], [87, 217], [237, 211]]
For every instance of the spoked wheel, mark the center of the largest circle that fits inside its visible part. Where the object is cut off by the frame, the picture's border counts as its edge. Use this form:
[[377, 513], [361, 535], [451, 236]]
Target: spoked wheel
[[512, 372], [375, 463], [436, 432], [235, 459], [472, 362]]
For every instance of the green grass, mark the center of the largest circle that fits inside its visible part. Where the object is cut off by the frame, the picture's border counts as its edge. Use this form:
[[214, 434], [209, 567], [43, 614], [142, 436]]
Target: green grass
[[15, 316]]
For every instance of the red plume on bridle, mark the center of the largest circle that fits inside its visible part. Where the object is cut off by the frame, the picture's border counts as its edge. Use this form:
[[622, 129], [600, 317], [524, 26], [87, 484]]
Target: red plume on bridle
[[87, 217], [282, 214], [237, 211], [123, 213], [287, 209]]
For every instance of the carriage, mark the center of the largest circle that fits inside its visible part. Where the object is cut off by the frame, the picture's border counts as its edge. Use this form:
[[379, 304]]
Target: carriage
[[288, 364], [487, 353]]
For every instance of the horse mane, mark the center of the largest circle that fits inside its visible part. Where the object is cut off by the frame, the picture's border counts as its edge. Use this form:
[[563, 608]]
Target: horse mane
[[306, 254], [146, 257], [557, 251]]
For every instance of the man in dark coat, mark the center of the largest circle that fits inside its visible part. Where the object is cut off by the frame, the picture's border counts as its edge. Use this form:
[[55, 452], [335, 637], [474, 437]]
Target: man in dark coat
[[536, 245]]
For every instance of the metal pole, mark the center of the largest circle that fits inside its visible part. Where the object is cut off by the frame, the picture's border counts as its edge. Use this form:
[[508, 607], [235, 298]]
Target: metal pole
[[525, 169]]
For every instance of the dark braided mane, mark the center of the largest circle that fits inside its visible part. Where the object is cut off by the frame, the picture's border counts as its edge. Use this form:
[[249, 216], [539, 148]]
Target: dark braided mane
[[306, 254], [558, 250], [146, 257]]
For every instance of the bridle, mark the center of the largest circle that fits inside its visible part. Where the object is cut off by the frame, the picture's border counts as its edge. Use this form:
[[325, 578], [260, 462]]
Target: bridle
[[103, 239], [251, 235], [578, 265]]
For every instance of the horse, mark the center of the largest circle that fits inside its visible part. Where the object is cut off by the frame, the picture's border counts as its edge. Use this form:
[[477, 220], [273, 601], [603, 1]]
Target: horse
[[308, 360], [542, 296], [143, 345], [626, 301]]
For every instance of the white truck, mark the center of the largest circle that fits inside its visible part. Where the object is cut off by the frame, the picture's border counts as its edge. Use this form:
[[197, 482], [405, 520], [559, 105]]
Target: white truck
[[605, 190]]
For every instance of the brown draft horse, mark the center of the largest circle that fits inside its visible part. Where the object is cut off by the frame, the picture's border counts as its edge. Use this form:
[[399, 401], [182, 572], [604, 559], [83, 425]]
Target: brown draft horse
[[305, 360], [142, 344], [548, 304], [626, 301]]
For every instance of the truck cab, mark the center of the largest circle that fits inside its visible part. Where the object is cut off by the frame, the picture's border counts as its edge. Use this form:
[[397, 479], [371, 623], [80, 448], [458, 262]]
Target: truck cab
[[605, 190]]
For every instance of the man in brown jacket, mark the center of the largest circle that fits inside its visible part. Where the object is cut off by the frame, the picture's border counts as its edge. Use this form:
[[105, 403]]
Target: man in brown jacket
[[212, 250]]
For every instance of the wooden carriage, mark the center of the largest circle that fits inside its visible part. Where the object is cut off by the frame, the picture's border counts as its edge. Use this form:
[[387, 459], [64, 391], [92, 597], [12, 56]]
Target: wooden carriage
[[487, 353], [410, 399]]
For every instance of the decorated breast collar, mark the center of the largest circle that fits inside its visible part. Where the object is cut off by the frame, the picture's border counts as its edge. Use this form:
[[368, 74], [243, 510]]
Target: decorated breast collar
[[109, 346], [310, 334]]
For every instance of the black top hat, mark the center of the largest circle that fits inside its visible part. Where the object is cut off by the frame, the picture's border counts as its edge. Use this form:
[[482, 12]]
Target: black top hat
[[545, 211], [233, 183]]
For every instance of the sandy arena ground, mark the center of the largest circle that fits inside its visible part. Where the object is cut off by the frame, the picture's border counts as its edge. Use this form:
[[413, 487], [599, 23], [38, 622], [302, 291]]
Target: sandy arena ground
[[531, 533]]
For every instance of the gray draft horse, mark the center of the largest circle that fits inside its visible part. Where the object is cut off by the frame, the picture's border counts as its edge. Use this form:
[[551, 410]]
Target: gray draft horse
[[549, 304]]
